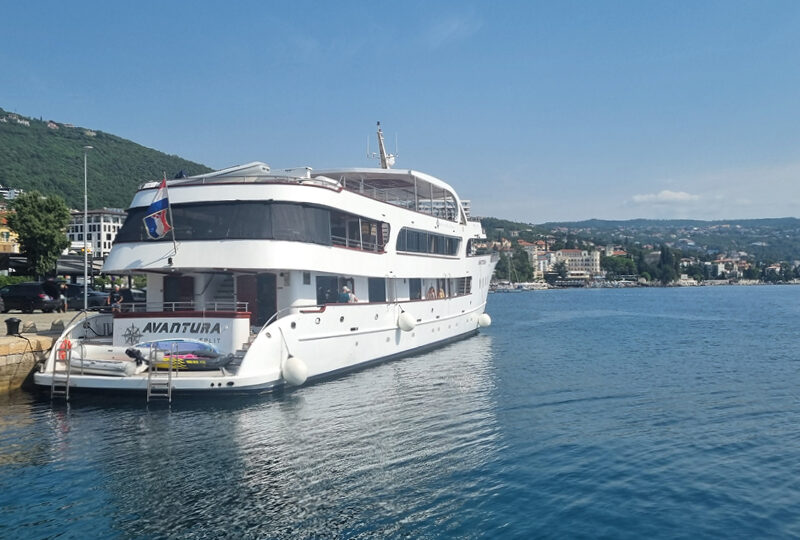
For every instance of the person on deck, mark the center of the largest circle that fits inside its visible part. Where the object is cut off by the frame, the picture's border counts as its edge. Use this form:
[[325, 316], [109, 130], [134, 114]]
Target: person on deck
[[431, 294], [115, 299], [346, 296]]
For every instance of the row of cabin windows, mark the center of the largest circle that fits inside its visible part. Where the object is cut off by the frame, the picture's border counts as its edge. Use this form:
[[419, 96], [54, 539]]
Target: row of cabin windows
[[414, 241], [251, 220], [329, 289], [260, 290]]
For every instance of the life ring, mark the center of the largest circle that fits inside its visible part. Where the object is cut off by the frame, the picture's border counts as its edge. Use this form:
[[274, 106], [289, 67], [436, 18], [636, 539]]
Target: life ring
[[63, 349]]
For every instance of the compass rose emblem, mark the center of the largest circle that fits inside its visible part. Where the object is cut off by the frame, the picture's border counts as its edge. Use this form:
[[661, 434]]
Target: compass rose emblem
[[132, 335]]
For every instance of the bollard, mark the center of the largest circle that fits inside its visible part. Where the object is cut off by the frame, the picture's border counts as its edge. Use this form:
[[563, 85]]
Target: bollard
[[12, 326]]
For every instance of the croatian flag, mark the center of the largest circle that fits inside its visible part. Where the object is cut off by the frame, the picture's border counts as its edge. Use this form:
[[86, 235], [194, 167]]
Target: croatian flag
[[155, 223]]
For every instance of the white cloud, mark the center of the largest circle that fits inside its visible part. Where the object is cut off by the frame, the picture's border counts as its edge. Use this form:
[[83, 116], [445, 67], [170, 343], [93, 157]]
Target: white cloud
[[665, 196], [450, 29]]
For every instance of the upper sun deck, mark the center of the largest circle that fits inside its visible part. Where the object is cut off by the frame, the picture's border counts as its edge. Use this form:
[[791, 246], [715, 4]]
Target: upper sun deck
[[403, 188], [407, 188]]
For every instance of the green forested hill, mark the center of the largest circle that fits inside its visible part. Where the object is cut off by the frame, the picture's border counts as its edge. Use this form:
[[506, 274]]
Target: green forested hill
[[51, 161]]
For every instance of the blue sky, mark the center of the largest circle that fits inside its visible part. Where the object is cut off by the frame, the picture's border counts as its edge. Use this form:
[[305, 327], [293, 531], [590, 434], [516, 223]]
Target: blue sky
[[535, 111]]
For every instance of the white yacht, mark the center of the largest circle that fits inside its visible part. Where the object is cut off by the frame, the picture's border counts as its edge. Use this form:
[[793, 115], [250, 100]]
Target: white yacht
[[258, 279]]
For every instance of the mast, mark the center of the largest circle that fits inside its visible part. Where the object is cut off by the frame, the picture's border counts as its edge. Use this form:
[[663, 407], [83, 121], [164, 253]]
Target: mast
[[387, 160]]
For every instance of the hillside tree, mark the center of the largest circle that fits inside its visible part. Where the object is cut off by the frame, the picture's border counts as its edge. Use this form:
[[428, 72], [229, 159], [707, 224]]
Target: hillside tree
[[501, 271], [668, 266], [521, 264], [40, 222]]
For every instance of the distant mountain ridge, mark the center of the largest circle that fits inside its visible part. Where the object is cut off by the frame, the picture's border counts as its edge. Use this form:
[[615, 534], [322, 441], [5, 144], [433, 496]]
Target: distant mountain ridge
[[766, 240], [641, 223], [48, 156]]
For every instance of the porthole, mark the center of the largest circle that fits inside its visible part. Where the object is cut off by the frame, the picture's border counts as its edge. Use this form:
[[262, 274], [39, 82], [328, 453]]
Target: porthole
[[341, 319], [376, 316], [317, 320], [294, 325]]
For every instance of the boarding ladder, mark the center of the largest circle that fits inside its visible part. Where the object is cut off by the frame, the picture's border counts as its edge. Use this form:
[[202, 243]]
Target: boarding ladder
[[159, 383], [59, 382]]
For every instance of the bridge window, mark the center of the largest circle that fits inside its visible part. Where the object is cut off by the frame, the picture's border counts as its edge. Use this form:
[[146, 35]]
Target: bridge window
[[413, 241], [246, 220]]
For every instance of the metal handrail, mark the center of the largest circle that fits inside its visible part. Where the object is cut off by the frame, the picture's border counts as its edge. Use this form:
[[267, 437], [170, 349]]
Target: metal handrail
[[364, 245], [184, 306], [281, 312], [246, 179], [450, 212]]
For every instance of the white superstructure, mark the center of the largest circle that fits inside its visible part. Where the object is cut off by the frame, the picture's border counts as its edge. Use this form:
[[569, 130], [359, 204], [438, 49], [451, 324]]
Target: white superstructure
[[257, 267]]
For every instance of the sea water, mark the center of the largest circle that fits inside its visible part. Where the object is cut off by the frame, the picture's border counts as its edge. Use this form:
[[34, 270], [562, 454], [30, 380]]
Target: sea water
[[639, 413]]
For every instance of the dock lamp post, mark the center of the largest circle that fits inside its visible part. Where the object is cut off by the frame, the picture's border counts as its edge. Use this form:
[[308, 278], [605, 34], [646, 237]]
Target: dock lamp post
[[85, 229]]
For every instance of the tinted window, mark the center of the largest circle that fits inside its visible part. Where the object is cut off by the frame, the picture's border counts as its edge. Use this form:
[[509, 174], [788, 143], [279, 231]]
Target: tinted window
[[237, 220], [29, 289], [327, 289], [413, 241], [415, 289], [377, 289]]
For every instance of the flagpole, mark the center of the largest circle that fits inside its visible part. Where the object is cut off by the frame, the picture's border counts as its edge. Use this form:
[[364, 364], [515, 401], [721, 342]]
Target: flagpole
[[169, 208]]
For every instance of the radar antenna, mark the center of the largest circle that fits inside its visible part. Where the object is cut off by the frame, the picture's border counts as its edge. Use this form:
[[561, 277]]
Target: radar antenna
[[387, 160]]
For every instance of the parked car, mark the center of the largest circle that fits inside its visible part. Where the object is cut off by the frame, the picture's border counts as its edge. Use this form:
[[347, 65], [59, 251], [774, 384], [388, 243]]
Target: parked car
[[133, 296], [29, 296], [129, 296], [95, 299]]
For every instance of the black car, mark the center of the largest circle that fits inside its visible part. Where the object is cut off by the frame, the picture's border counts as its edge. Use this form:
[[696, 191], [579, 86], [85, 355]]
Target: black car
[[130, 298], [28, 297], [133, 296], [95, 299]]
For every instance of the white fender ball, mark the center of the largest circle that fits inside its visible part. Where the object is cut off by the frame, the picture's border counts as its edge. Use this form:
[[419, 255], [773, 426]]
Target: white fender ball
[[295, 371], [484, 320], [406, 321]]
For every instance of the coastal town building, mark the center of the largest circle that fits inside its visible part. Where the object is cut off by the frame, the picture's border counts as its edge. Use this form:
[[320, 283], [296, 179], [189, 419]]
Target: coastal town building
[[614, 251], [9, 194], [8, 238], [580, 262], [544, 262], [103, 226]]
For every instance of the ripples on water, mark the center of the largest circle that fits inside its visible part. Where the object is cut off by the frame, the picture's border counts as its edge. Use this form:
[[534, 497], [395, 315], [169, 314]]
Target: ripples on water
[[637, 413]]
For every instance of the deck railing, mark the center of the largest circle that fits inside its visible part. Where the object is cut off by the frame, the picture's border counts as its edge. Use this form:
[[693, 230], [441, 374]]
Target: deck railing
[[446, 211], [208, 306], [362, 244]]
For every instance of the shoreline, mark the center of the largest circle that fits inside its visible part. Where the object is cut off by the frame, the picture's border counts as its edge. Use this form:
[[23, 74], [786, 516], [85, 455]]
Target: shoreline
[[540, 286]]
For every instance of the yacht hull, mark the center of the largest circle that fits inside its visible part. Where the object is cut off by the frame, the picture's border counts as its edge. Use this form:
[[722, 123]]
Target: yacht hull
[[336, 354]]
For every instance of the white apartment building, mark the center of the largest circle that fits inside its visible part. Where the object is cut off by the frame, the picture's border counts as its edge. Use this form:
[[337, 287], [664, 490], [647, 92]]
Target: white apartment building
[[543, 263], [102, 228], [580, 263]]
